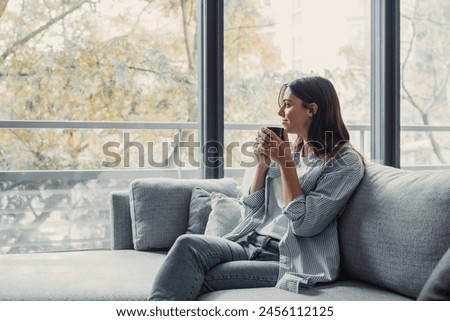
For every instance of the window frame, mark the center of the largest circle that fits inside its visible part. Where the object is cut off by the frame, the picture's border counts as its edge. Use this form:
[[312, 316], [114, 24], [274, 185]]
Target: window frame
[[385, 82]]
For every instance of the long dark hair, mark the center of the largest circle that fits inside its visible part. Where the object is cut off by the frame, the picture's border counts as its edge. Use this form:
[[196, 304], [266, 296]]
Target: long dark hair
[[327, 133]]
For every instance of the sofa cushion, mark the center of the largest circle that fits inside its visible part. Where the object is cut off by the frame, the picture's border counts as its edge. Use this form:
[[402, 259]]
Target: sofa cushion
[[437, 288], [396, 227], [160, 208], [336, 291], [225, 214], [79, 275], [199, 210]]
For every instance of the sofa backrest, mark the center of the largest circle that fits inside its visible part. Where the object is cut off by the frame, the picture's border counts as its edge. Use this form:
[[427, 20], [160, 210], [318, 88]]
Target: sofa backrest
[[396, 227]]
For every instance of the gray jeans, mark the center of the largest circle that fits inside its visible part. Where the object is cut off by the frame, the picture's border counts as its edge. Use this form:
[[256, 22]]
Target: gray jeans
[[197, 264]]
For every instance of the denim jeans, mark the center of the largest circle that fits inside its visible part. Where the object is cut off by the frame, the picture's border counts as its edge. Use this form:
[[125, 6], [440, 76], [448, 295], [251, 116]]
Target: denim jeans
[[198, 264]]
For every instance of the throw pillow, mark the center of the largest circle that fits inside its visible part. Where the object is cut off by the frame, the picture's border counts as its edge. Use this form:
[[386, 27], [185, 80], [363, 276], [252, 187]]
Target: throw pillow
[[159, 208], [199, 211], [437, 288], [225, 214]]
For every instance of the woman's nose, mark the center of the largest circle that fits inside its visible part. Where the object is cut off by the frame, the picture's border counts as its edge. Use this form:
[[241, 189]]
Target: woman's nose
[[281, 112]]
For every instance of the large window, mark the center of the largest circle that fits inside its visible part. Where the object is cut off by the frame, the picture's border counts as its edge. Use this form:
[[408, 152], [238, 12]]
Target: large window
[[88, 88], [268, 43], [425, 86]]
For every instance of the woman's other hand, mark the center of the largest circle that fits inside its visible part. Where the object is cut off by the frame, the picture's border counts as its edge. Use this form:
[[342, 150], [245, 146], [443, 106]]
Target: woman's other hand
[[273, 147]]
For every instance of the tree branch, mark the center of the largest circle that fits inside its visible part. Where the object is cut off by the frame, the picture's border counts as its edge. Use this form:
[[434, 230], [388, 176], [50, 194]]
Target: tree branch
[[27, 38], [437, 92], [31, 229], [408, 53], [3, 4], [185, 34], [145, 70]]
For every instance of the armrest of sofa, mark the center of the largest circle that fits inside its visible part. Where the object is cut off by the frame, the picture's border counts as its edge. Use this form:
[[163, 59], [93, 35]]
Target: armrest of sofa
[[121, 235]]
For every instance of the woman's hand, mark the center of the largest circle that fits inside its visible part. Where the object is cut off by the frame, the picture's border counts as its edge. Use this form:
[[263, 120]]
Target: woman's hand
[[263, 164], [273, 147], [260, 151], [280, 151]]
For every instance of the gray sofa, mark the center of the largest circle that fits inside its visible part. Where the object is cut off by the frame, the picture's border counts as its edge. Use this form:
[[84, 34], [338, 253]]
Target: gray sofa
[[393, 233]]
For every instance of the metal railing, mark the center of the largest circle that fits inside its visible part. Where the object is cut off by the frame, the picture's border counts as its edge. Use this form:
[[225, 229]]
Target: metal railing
[[363, 133]]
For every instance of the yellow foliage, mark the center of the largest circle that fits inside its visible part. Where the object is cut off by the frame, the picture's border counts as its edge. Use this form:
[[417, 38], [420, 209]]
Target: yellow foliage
[[74, 71]]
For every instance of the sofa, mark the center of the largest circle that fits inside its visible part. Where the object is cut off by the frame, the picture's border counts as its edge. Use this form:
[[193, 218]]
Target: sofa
[[394, 245]]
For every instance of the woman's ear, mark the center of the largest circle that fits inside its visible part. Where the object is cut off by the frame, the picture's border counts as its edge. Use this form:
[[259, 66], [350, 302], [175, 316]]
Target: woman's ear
[[313, 108]]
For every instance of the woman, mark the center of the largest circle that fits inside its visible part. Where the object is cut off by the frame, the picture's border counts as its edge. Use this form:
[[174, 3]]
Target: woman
[[288, 238]]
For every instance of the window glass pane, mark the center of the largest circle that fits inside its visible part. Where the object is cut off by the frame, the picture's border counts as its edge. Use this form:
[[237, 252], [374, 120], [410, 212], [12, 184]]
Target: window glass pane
[[103, 60], [271, 42], [425, 86]]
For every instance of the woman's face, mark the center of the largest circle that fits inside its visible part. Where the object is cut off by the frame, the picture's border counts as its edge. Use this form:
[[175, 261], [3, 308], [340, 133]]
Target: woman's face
[[296, 119]]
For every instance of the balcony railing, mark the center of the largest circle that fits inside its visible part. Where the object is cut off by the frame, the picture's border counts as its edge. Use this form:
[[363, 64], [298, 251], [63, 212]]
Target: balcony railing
[[73, 211]]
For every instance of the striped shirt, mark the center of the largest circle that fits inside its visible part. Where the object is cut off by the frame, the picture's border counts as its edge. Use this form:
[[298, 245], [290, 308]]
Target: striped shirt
[[276, 223], [309, 249]]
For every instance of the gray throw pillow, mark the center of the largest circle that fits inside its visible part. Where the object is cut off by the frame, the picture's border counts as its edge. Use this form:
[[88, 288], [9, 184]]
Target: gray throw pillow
[[437, 287], [225, 214], [159, 208], [199, 211]]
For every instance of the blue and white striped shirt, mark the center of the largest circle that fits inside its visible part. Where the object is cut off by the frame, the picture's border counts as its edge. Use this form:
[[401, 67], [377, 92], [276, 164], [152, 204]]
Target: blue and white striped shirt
[[309, 250]]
